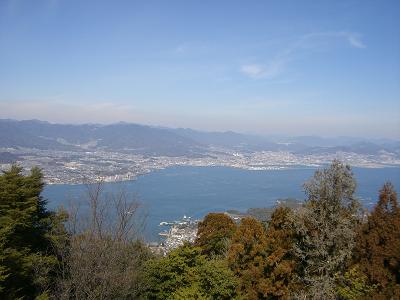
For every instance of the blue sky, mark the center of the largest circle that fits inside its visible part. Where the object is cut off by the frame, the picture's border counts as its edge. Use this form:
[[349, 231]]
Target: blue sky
[[268, 67]]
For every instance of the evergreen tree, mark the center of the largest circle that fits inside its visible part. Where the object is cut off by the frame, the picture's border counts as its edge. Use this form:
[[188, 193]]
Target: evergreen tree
[[263, 259], [214, 234], [354, 285], [325, 229], [280, 267], [27, 233], [247, 257], [187, 274], [378, 246]]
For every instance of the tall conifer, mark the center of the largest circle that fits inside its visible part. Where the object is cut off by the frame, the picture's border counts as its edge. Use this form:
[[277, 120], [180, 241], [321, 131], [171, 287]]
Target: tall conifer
[[378, 245], [27, 257]]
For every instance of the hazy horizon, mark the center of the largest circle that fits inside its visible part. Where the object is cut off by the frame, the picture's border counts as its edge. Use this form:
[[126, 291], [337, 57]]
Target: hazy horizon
[[366, 138], [292, 68]]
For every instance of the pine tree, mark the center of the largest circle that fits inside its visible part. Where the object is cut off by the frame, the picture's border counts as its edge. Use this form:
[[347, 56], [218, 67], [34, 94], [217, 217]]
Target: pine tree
[[27, 228]]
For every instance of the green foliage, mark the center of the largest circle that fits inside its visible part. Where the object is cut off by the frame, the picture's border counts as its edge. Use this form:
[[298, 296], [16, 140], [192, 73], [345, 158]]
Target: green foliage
[[27, 255], [303, 252], [43, 296], [214, 234], [354, 285], [325, 229], [3, 276], [190, 292], [163, 276], [185, 272], [217, 280]]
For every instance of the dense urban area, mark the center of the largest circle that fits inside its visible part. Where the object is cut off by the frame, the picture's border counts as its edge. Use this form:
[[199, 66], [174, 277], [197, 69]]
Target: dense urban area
[[71, 167]]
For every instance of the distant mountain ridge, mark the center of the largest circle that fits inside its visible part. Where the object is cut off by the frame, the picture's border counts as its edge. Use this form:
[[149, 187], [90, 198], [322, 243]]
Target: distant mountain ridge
[[149, 140], [115, 137]]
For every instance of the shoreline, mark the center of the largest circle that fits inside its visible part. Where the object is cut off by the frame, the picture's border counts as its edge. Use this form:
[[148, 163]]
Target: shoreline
[[268, 168]]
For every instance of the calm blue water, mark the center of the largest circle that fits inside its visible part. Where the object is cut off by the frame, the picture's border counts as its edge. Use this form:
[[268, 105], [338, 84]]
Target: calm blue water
[[194, 191]]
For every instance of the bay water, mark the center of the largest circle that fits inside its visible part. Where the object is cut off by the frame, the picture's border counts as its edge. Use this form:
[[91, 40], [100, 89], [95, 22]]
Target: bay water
[[169, 194]]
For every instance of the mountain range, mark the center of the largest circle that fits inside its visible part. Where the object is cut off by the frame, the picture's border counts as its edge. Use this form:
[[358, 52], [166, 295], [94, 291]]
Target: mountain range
[[151, 140]]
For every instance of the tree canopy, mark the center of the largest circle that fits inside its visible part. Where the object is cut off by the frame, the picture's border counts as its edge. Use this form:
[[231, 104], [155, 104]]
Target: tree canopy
[[28, 232], [185, 272], [323, 249], [214, 234], [325, 229], [378, 245], [281, 263], [247, 257]]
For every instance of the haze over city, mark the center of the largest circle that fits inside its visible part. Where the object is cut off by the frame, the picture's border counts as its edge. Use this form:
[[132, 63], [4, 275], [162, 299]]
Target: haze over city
[[298, 68]]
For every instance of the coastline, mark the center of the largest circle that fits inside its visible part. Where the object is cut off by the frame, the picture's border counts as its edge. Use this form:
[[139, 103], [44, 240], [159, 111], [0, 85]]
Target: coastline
[[170, 193], [255, 169]]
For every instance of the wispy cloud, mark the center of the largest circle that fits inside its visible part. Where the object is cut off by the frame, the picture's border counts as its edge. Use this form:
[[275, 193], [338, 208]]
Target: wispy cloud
[[271, 70], [303, 44], [355, 41], [252, 70]]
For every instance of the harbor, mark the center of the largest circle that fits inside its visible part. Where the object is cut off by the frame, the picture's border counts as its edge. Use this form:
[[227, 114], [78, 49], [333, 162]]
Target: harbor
[[175, 234]]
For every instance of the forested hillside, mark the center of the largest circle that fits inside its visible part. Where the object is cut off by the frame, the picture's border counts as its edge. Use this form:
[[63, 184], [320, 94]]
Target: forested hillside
[[328, 248]]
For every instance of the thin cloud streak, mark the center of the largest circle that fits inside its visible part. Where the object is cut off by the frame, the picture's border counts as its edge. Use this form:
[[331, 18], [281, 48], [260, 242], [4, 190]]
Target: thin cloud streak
[[270, 71], [353, 38], [356, 42], [307, 42], [253, 70]]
